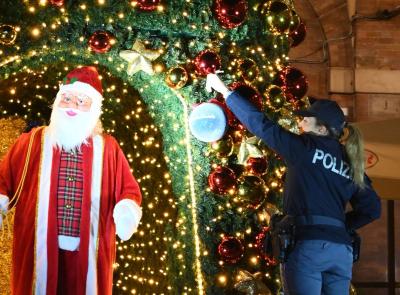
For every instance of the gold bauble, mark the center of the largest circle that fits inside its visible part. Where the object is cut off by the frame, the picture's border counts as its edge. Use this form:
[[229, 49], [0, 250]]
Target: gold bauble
[[223, 147], [278, 16], [8, 34], [251, 191], [275, 97], [248, 69], [177, 77]]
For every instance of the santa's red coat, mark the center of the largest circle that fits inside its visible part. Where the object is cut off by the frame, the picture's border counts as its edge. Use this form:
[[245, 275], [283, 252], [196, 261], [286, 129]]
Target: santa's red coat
[[107, 180]]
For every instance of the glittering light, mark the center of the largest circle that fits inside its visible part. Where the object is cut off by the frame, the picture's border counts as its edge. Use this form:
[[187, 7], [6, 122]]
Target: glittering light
[[35, 32], [199, 275]]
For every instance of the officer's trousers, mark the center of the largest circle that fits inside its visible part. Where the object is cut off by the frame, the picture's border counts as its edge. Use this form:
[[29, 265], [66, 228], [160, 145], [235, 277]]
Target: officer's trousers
[[317, 267]]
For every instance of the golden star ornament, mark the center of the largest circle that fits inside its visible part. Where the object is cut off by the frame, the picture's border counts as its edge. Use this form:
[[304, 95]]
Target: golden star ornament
[[139, 58]]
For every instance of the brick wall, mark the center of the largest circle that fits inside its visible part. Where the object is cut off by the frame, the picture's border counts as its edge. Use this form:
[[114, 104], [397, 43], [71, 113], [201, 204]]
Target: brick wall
[[375, 48]]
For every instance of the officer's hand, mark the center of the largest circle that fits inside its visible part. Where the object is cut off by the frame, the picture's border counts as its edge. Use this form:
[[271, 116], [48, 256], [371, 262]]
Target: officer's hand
[[214, 82]]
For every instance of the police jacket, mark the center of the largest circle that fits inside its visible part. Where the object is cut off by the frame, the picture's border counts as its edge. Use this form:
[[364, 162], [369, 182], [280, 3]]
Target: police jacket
[[318, 178]]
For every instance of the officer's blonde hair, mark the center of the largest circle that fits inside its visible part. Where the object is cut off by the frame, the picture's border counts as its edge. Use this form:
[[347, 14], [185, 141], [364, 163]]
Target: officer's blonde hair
[[352, 140], [354, 146]]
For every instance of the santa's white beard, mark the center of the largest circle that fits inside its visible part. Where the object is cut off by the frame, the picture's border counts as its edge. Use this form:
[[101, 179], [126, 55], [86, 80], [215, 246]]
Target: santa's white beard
[[69, 133]]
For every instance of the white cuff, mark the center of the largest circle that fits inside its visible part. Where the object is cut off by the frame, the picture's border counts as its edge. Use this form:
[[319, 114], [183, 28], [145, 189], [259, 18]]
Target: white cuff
[[227, 93], [4, 203], [127, 215]]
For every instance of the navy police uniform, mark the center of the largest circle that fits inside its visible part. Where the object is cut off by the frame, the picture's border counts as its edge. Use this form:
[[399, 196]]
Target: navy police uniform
[[318, 186]]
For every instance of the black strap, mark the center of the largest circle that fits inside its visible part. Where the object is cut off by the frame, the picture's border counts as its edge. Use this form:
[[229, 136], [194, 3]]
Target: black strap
[[318, 220]]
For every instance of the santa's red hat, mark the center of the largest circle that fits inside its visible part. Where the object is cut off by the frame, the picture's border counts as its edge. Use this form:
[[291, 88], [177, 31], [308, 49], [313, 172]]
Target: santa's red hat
[[83, 80]]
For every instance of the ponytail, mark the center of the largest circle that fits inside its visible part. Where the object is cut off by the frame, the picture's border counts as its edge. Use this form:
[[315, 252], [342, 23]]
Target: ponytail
[[354, 146]]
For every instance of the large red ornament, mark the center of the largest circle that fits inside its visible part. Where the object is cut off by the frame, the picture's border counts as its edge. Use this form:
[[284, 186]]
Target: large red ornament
[[248, 91], [222, 181], [147, 5], [264, 246], [207, 62], [295, 84], [232, 121], [100, 41], [230, 13], [231, 249], [57, 3], [257, 166], [298, 35]]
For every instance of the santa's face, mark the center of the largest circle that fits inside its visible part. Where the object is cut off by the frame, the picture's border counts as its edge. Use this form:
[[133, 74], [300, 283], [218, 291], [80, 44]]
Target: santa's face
[[77, 101], [73, 119]]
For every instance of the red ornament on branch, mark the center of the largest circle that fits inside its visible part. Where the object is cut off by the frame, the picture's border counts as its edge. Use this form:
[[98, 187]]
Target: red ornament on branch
[[231, 249], [57, 3], [264, 246], [230, 13], [295, 84], [229, 115], [222, 181], [207, 62], [257, 166], [248, 91], [147, 5], [298, 35], [101, 41]]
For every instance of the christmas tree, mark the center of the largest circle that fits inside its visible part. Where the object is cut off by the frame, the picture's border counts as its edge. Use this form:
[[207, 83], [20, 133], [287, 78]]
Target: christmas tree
[[206, 206]]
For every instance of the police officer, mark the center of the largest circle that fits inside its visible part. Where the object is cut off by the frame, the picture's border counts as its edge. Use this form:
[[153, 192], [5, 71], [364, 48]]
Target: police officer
[[323, 175]]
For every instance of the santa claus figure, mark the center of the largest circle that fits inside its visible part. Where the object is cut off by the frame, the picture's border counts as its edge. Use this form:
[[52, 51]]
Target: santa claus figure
[[72, 190]]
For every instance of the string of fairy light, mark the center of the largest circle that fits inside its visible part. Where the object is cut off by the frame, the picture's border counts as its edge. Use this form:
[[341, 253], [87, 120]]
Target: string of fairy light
[[197, 244]]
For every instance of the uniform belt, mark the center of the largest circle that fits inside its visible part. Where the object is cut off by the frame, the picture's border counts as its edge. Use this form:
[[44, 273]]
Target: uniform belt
[[318, 220]]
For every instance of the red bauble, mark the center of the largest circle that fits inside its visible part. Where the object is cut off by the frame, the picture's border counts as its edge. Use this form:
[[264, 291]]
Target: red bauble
[[147, 5], [277, 81], [100, 41], [264, 246], [207, 62], [232, 121], [298, 35], [257, 166], [230, 13], [231, 249], [57, 3], [249, 92], [222, 180], [295, 83]]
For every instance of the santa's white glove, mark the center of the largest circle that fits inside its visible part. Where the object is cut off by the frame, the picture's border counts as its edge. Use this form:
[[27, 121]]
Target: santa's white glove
[[127, 215], [3, 207], [214, 82]]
